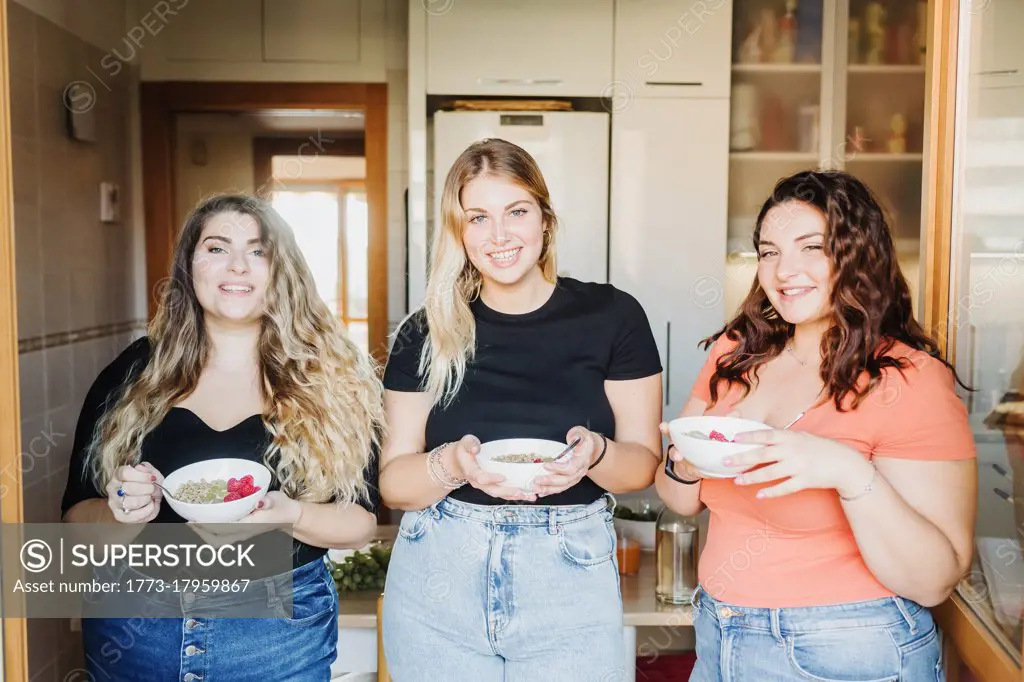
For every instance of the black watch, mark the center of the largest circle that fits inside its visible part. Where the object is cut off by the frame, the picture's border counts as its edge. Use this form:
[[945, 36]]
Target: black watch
[[670, 469]]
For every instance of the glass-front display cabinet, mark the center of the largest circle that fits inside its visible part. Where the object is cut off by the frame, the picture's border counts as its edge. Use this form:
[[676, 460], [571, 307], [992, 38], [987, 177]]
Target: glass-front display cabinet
[[985, 324], [826, 84]]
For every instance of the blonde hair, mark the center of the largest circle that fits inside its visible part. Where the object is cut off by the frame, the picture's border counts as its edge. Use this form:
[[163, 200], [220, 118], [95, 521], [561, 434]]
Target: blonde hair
[[454, 281], [325, 410]]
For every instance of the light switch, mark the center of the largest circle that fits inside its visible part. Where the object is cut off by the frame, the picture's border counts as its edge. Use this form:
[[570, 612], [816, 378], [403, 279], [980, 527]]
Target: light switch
[[110, 202]]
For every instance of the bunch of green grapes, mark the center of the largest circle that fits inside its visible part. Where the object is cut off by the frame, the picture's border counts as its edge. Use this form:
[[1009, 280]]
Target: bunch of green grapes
[[362, 570]]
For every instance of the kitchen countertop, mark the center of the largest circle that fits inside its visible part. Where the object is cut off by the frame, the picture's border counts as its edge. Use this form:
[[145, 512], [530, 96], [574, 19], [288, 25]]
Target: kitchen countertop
[[640, 608]]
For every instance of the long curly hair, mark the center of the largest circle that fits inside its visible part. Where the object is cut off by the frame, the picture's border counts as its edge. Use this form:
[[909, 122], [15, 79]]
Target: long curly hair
[[870, 303], [325, 400]]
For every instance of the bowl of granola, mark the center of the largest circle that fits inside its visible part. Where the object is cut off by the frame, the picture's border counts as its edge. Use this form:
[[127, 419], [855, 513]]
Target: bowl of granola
[[706, 441], [220, 490], [519, 460]]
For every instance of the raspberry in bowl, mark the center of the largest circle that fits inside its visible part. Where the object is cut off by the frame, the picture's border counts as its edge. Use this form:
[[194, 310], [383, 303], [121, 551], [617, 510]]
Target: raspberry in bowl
[[707, 440]]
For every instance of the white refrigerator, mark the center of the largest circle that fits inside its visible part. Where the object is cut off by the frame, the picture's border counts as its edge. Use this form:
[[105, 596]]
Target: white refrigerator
[[572, 150]]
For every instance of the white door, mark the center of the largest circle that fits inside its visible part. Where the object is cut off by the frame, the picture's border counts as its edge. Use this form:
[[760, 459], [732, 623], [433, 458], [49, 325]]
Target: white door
[[571, 149], [668, 225]]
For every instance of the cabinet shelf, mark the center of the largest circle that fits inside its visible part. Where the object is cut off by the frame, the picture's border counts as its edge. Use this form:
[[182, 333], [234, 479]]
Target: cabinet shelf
[[776, 68], [882, 157], [886, 69], [781, 157]]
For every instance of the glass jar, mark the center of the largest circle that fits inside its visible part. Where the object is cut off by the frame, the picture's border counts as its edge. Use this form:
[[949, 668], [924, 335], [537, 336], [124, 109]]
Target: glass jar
[[676, 546]]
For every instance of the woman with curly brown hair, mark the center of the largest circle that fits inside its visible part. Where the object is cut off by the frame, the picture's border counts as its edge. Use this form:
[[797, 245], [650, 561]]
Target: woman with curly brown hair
[[243, 360], [856, 512]]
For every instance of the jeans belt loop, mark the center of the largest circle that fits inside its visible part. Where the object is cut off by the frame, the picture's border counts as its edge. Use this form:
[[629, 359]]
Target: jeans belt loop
[[272, 598], [552, 521], [773, 617], [902, 606]]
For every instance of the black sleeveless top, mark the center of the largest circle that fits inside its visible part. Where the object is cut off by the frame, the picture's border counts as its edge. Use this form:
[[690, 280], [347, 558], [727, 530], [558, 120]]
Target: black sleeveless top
[[182, 438]]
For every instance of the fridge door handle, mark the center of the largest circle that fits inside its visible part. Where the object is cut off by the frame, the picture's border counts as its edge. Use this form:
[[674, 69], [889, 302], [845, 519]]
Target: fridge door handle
[[675, 84], [519, 81], [668, 362]]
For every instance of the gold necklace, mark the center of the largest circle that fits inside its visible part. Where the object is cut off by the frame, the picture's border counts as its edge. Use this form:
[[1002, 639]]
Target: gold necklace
[[803, 363]]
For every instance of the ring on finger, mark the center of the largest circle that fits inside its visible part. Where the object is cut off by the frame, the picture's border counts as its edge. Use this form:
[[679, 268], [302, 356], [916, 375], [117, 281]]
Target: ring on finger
[[124, 504]]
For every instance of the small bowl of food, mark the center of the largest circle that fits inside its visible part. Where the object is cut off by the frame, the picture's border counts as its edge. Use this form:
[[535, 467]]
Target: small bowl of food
[[519, 460], [217, 490], [705, 441]]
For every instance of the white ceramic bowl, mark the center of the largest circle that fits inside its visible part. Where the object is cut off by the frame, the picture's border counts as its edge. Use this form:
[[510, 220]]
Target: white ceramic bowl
[[225, 468], [517, 475], [707, 455]]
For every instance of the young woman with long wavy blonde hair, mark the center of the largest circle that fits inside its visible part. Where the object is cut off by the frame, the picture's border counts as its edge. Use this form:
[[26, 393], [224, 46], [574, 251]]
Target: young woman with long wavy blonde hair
[[487, 582], [245, 360]]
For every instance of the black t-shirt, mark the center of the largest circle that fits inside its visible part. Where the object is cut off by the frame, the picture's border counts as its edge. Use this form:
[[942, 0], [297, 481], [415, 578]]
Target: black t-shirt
[[536, 375], [182, 438]]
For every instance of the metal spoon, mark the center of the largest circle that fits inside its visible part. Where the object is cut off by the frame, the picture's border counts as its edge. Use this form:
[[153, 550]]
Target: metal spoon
[[167, 492], [563, 454]]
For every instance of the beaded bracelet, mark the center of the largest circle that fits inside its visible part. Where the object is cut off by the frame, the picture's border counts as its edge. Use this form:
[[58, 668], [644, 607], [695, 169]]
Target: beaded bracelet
[[439, 472]]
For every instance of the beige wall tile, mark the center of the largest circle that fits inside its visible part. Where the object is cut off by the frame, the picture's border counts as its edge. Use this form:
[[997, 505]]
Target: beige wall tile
[[32, 389], [58, 376]]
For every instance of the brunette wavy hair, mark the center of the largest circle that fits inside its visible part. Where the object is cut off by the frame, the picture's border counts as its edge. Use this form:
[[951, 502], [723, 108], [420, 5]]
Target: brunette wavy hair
[[870, 300]]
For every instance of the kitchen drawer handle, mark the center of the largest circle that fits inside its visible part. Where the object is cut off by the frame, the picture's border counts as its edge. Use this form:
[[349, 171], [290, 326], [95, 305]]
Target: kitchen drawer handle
[[694, 84], [998, 72], [668, 362], [519, 81]]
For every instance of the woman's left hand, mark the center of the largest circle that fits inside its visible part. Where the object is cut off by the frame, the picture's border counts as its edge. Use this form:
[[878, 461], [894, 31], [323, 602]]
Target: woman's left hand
[[803, 460], [275, 510], [570, 472]]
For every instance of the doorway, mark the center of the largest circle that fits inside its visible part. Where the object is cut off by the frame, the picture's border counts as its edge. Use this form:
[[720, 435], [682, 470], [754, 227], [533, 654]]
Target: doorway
[[300, 135]]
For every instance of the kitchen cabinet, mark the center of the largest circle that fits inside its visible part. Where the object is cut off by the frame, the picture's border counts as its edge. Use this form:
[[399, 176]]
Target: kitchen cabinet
[[665, 48], [667, 241], [846, 93], [997, 52], [265, 40], [520, 47]]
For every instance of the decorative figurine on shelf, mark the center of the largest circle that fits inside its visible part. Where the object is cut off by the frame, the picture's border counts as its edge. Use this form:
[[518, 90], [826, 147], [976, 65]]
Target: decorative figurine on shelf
[[898, 138], [858, 141], [785, 53], [769, 34], [874, 29], [744, 133], [750, 49]]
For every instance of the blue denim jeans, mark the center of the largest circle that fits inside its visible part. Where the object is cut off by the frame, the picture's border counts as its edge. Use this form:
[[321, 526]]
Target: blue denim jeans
[[296, 649], [509, 593], [882, 640]]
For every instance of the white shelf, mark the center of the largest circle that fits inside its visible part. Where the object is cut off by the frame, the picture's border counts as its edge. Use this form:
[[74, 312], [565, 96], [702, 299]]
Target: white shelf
[[776, 68], [881, 69], [882, 157], [779, 157]]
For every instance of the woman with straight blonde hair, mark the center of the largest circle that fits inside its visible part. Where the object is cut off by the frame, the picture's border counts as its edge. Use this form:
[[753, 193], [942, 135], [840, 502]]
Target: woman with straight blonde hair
[[243, 360], [488, 582]]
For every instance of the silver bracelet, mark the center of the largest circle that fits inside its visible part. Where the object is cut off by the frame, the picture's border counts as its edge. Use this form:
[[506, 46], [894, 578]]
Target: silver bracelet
[[867, 489], [439, 472]]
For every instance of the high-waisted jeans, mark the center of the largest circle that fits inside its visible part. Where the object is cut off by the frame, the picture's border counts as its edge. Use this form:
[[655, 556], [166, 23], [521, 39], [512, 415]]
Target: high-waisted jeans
[[296, 649], [510, 593], [881, 640]]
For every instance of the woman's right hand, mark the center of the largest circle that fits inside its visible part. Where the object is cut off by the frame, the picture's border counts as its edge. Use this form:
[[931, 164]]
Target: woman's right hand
[[465, 452], [681, 467], [140, 499]]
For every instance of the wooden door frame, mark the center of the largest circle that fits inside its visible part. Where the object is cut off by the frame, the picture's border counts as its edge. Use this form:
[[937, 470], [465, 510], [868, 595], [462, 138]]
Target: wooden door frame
[[15, 630], [160, 102]]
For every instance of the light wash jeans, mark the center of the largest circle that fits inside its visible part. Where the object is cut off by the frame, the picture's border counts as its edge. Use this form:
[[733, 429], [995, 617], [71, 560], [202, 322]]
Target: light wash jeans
[[882, 640], [510, 593]]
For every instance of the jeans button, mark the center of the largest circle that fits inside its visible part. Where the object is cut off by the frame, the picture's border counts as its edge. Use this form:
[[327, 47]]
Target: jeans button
[[191, 677], [192, 650], [191, 624]]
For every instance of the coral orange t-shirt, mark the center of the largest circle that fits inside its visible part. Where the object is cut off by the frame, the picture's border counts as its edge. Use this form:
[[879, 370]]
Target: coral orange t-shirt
[[798, 549]]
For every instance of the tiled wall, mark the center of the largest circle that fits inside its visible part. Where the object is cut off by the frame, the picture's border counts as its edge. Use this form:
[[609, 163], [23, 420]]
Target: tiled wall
[[74, 274]]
